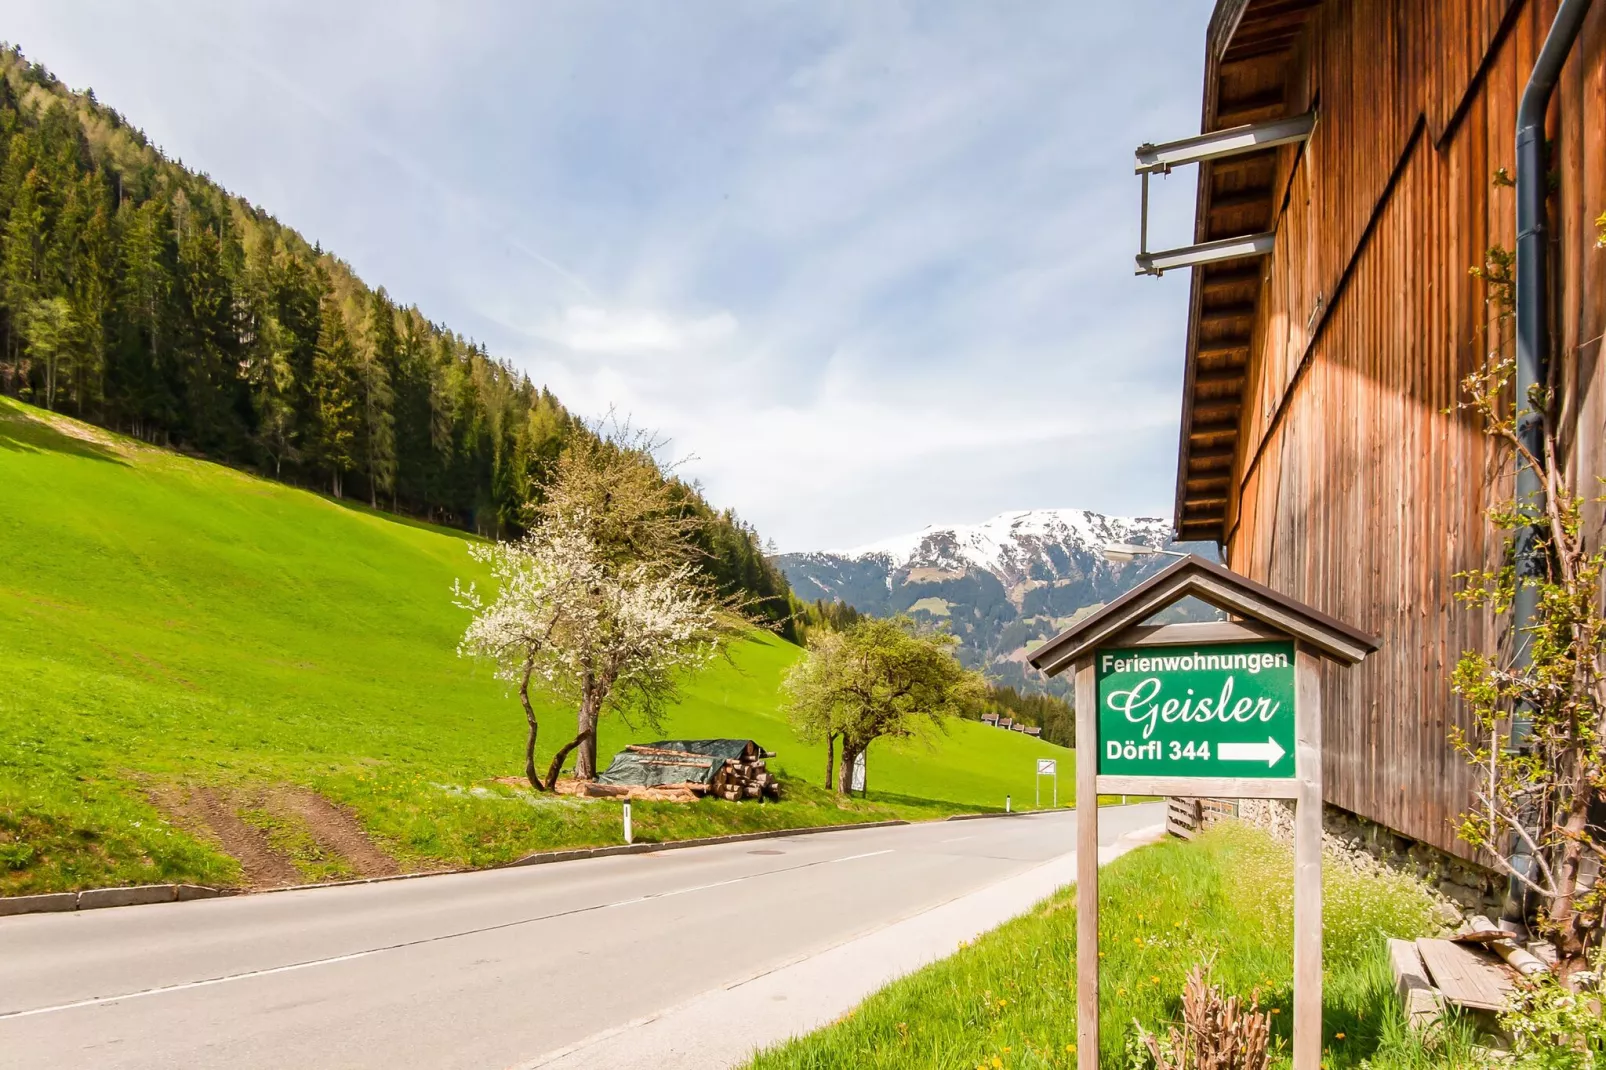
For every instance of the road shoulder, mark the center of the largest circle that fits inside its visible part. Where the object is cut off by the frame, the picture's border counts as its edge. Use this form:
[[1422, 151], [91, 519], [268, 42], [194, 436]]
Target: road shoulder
[[724, 1026]]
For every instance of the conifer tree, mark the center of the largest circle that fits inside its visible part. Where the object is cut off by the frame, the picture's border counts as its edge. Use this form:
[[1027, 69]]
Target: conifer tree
[[146, 283], [92, 295], [19, 269], [335, 392], [376, 373], [209, 338]]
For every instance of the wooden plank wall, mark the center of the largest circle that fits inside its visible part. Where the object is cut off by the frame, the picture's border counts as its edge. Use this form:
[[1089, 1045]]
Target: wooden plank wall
[[1356, 490]]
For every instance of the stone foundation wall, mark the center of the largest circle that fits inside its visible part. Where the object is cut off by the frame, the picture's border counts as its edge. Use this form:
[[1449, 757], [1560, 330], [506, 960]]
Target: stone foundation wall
[[1469, 887]]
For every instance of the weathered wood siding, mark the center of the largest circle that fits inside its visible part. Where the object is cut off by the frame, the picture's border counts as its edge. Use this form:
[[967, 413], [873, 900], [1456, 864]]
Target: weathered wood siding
[[1358, 486]]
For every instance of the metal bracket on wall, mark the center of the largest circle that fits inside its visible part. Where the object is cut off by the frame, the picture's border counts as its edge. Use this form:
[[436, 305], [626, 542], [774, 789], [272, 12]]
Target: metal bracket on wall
[[1219, 144], [1208, 252]]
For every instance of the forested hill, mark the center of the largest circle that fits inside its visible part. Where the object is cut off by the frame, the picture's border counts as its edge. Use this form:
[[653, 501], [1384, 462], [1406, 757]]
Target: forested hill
[[139, 295]]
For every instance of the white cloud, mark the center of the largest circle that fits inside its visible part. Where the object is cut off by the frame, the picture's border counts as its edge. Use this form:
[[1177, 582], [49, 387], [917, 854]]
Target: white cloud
[[622, 332], [870, 263]]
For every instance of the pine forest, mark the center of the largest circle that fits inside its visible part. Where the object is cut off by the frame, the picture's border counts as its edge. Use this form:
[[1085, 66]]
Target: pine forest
[[140, 296]]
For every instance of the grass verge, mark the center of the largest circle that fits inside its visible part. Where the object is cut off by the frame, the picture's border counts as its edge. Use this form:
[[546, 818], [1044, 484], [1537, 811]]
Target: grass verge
[[1008, 1000]]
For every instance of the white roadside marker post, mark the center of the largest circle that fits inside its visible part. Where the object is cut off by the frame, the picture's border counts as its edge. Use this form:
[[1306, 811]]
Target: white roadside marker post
[[628, 838]]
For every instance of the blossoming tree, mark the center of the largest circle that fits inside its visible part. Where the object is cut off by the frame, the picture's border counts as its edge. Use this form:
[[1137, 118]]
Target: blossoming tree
[[600, 637], [602, 604]]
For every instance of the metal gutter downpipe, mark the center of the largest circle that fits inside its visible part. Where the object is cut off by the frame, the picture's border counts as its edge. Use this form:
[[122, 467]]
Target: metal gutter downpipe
[[1533, 351]]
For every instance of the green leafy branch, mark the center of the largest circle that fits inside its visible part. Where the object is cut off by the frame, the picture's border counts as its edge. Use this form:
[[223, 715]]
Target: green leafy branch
[[1538, 788]]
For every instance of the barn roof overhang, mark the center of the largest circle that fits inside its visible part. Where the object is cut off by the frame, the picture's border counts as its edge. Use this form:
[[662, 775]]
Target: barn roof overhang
[[1249, 78]]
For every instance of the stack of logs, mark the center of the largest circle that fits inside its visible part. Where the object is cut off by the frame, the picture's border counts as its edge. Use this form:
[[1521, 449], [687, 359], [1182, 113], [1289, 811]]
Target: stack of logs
[[745, 778], [733, 779]]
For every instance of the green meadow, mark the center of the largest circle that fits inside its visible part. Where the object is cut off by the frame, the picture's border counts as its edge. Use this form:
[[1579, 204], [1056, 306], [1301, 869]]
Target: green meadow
[[169, 625]]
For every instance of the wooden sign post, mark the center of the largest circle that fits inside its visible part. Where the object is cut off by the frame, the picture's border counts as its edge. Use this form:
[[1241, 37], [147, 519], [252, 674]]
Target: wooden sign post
[[1228, 709]]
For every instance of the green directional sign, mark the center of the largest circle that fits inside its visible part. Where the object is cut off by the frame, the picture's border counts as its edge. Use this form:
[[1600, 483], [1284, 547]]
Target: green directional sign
[[1223, 710]]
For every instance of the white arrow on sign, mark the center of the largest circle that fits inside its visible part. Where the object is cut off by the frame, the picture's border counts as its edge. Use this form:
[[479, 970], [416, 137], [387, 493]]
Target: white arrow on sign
[[1269, 752]]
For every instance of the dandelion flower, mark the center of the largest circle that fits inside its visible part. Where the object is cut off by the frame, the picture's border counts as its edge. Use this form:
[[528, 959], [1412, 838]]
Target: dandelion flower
[[1276, 1010], [1338, 1036]]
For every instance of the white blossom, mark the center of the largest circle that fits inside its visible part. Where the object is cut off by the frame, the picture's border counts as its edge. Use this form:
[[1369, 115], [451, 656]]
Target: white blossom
[[608, 637]]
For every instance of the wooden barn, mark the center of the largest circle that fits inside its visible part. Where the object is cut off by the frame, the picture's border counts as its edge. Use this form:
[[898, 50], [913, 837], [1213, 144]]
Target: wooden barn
[[1333, 314]]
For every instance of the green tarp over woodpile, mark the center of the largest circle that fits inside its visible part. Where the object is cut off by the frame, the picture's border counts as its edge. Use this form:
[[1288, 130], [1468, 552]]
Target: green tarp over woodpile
[[724, 748], [676, 761]]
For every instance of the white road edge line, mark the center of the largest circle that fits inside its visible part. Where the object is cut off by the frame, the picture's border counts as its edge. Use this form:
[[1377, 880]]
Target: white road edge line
[[647, 1019], [737, 880], [1123, 843], [95, 1001]]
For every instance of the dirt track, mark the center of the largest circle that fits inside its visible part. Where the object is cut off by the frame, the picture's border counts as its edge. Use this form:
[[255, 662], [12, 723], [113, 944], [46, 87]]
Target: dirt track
[[213, 814]]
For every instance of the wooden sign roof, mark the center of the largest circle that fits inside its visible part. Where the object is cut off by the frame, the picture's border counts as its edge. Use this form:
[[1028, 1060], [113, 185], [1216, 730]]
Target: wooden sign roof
[[1220, 587]]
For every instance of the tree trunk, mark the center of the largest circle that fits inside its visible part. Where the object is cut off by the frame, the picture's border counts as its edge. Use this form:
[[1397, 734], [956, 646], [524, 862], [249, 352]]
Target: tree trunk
[[830, 758], [529, 717], [844, 780], [557, 759], [585, 763], [1570, 935]]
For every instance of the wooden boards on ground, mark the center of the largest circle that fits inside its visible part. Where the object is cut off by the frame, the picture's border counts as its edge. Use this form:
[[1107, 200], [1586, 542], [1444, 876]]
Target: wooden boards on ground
[[1468, 978]]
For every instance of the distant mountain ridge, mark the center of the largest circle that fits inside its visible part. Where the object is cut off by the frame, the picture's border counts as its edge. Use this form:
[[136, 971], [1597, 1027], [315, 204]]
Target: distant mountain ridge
[[1001, 586]]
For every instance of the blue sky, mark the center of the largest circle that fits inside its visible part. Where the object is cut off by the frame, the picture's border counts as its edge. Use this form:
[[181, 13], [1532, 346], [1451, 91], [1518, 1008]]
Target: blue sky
[[867, 264]]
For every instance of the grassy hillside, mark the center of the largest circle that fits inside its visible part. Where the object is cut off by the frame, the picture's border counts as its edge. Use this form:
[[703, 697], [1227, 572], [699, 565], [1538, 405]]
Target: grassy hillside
[[186, 649]]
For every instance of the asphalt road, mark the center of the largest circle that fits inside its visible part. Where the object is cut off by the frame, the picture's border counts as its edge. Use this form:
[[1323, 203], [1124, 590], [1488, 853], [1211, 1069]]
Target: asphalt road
[[476, 970]]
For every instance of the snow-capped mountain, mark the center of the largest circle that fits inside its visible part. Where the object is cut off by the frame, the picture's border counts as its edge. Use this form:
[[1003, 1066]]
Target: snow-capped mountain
[[1000, 585], [1010, 544]]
